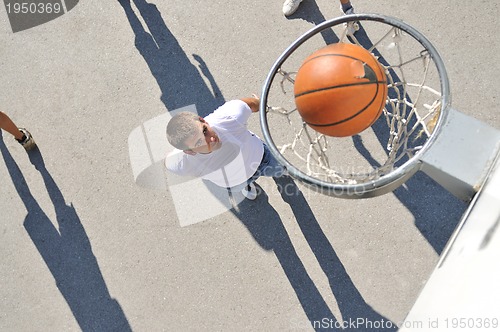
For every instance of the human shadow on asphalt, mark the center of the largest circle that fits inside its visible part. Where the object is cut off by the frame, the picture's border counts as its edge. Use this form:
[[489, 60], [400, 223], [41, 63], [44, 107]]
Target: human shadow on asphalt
[[266, 226], [436, 211], [179, 80], [310, 12], [67, 252]]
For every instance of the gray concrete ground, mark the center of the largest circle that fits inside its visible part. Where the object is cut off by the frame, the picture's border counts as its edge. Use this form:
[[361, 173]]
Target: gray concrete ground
[[83, 247]]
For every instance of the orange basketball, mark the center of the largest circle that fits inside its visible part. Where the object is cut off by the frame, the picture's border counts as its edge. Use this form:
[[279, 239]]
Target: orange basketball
[[340, 90]]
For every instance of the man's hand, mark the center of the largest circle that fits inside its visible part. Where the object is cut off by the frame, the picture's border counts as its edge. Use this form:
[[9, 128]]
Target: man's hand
[[252, 102]]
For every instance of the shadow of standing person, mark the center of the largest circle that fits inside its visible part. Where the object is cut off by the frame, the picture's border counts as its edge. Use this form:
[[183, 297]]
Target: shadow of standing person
[[350, 301], [179, 80], [67, 252], [266, 227], [310, 12], [436, 211]]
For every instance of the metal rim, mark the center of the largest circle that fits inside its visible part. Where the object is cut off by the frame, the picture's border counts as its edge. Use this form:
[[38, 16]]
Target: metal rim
[[385, 183]]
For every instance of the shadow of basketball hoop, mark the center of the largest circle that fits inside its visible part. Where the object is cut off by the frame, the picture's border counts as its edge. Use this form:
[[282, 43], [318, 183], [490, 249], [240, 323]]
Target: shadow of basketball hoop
[[148, 148], [430, 219]]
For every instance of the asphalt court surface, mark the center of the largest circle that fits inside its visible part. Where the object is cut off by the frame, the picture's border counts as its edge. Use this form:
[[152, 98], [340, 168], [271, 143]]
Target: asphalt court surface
[[85, 247]]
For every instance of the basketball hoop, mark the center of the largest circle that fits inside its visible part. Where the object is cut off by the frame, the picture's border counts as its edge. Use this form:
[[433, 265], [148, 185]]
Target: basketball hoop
[[381, 158]]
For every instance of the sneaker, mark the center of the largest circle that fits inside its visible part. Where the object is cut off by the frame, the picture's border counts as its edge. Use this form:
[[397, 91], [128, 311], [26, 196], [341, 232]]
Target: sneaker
[[352, 26], [250, 192], [27, 141], [290, 6]]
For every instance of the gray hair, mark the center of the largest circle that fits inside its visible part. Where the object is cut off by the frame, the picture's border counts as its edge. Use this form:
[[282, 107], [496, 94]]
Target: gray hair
[[181, 127]]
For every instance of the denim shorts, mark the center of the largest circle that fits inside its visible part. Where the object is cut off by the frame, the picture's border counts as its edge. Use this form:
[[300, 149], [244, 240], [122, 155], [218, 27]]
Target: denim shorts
[[268, 166]]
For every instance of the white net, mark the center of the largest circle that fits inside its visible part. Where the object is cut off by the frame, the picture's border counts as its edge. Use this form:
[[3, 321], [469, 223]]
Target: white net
[[412, 109]]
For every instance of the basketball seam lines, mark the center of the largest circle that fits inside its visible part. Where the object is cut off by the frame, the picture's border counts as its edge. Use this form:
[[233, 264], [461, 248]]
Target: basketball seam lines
[[346, 119], [343, 86]]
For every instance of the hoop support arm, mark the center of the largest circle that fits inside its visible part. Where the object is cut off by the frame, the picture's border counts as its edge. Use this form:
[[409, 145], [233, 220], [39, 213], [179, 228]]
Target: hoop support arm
[[460, 159]]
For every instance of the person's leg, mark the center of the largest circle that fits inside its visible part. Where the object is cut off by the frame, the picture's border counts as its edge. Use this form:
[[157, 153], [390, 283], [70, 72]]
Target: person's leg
[[20, 134], [347, 9], [269, 166], [9, 126], [346, 6]]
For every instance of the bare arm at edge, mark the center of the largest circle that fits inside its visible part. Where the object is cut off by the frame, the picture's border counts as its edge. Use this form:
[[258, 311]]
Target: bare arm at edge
[[252, 102]]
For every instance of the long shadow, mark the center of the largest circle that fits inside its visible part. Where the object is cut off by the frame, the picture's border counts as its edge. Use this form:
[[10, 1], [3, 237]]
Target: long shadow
[[179, 80], [266, 226], [436, 211], [181, 85], [67, 252], [310, 12]]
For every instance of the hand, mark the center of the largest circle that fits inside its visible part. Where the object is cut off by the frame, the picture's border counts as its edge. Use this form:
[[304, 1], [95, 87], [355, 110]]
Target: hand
[[253, 102], [257, 102]]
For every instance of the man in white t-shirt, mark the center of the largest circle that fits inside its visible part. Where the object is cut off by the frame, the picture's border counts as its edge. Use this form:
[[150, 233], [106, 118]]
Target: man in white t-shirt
[[220, 148]]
